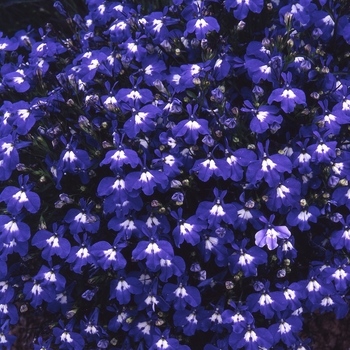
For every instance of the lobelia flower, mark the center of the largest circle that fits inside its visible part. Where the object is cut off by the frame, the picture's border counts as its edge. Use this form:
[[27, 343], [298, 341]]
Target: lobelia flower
[[322, 151], [201, 26], [146, 180], [339, 274], [268, 303], [90, 327], [143, 118], [122, 288], [246, 260], [52, 242], [284, 196], [6, 338], [190, 128], [164, 341], [157, 23], [9, 157], [341, 238], [38, 292], [74, 161], [81, 220], [186, 230], [50, 275], [268, 167], [13, 229], [80, 256], [108, 256], [17, 198], [241, 8], [287, 328], [301, 216], [286, 250], [150, 300], [302, 159], [153, 250], [247, 213], [215, 212], [263, 117], [268, 236], [67, 338], [190, 320], [118, 158], [292, 294], [212, 244], [288, 96], [181, 294], [43, 345], [168, 162], [251, 338]]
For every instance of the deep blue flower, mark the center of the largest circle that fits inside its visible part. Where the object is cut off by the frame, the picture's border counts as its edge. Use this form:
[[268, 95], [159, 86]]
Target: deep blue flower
[[201, 26], [38, 292], [268, 167], [288, 96], [263, 117], [322, 151], [341, 238], [153, 250], [239, 318], [122, 288], [251, 338], [215, 212], [190, 128], [43, 345], [80, 220], [17, 198], [150, 300], [108, 256], [52, 242], [339, 274], [287, 329], [67, 338], [301, 216], [6, 338], [246, 260], [13, 229], [80, 256], [241, 8], [212, 244], [187, 229], [268, 303], [181, 294]]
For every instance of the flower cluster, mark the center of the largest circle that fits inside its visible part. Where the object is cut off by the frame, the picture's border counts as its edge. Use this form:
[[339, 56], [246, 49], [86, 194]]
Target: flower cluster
[[176, 177]]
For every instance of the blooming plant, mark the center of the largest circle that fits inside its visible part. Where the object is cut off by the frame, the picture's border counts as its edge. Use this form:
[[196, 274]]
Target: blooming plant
[[176, 176]]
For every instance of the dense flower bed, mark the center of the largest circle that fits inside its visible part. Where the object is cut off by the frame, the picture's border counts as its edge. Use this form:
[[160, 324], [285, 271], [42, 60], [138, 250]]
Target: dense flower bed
[[176, 177]]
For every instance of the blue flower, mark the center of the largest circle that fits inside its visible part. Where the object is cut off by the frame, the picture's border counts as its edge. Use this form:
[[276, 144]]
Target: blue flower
[[268, 236], [241, 8], [240, 318], [17, 198], [80, 220], [287, 329], [201, 26], [341, 238], [302, 215], [108, 256], [122, 288], [181, 294], [288, 96], [246, 260], [187, 230], [268, 167], [80, 256], [6, 338], [153, 250], [38, 292], [43, 345], [13, 229], [190, 128], [215, 212], [267, 302], [67, 338], [176, 266], [251, 338], [263, 117], [52, 242]]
